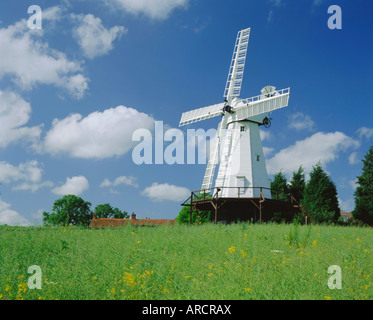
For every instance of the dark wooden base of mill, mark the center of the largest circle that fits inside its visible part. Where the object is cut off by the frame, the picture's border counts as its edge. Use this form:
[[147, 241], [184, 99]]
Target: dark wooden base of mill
[[228, 210]]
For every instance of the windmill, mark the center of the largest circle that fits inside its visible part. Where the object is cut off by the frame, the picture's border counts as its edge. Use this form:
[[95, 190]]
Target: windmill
[[237, 143]]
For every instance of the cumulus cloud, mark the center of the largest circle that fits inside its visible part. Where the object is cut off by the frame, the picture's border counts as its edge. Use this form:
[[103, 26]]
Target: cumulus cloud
[[14, 114], [27, 171], [27, 174], [53, 13], [346, 206], [299, 121], [33, 187], [323, 147], [123, 180], [265, 134], [353, 158], [161, 192], [267, 151], [99, 135], [365, 132], [28, 61], [93, 38], [74, 185], [353, 184], [11, 217], [155, 9]]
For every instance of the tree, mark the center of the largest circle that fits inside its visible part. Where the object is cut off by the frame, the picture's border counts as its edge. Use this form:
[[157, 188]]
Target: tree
[[364, 192], [280, 191], [279, 186], [197, 217], [69, 210], [320, 197], [107, 211], [298, 184]]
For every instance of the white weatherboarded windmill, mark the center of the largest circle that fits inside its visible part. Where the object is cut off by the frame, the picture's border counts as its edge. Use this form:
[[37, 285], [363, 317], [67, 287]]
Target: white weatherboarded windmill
[[242, 171]]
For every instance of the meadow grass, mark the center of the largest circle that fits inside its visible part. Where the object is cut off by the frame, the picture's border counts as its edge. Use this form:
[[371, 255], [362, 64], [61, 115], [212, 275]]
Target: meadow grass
[[217, 262]]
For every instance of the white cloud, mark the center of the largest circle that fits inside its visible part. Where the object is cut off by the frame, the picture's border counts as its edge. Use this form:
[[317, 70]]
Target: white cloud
[[33, 187], [14, 114], [160, 192], [93, 38], [77, 85], [347, 206], [353, 159], [28, 171], [29, 61], [354, 184], [300, 121], [53, 13], [11, 217], [155, 9], [99, 135], [265, 134], [27, 174], [324, 147], [267, 151], [74, 185], [128, 181], [365, 132]]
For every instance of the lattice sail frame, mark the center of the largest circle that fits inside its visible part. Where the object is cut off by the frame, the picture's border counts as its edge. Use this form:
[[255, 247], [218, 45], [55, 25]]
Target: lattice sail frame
[[237, 67]]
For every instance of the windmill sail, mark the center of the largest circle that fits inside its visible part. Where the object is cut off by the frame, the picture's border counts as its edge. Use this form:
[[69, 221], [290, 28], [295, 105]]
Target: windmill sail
[[201, 114], [237, 67], [258, 105], [214, 155]]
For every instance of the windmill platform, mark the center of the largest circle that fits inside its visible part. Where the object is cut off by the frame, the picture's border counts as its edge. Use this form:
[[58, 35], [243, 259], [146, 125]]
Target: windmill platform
[[240, 208]]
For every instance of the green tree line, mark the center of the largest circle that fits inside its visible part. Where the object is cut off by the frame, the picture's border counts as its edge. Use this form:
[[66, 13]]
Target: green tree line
[[319, 198], [73, 210]]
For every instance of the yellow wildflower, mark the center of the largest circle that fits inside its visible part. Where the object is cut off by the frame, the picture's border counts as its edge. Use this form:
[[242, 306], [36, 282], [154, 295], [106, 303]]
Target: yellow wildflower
[[232, 249], [129, 279]]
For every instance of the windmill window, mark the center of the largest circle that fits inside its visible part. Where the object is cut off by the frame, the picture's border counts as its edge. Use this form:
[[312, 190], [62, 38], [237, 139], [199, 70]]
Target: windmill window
[[242, 128], [257, 157]]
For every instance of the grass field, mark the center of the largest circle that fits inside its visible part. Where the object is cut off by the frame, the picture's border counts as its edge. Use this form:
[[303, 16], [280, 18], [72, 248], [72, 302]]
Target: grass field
[[241, 261]]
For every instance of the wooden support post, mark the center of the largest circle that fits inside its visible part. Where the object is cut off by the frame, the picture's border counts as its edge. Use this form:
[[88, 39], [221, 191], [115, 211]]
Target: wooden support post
[[191, 209], [259, 207], [215, 205], [260, 212], [216, 214]]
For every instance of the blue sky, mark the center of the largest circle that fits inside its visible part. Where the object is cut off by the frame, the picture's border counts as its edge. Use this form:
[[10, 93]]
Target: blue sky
[[72, 94]]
